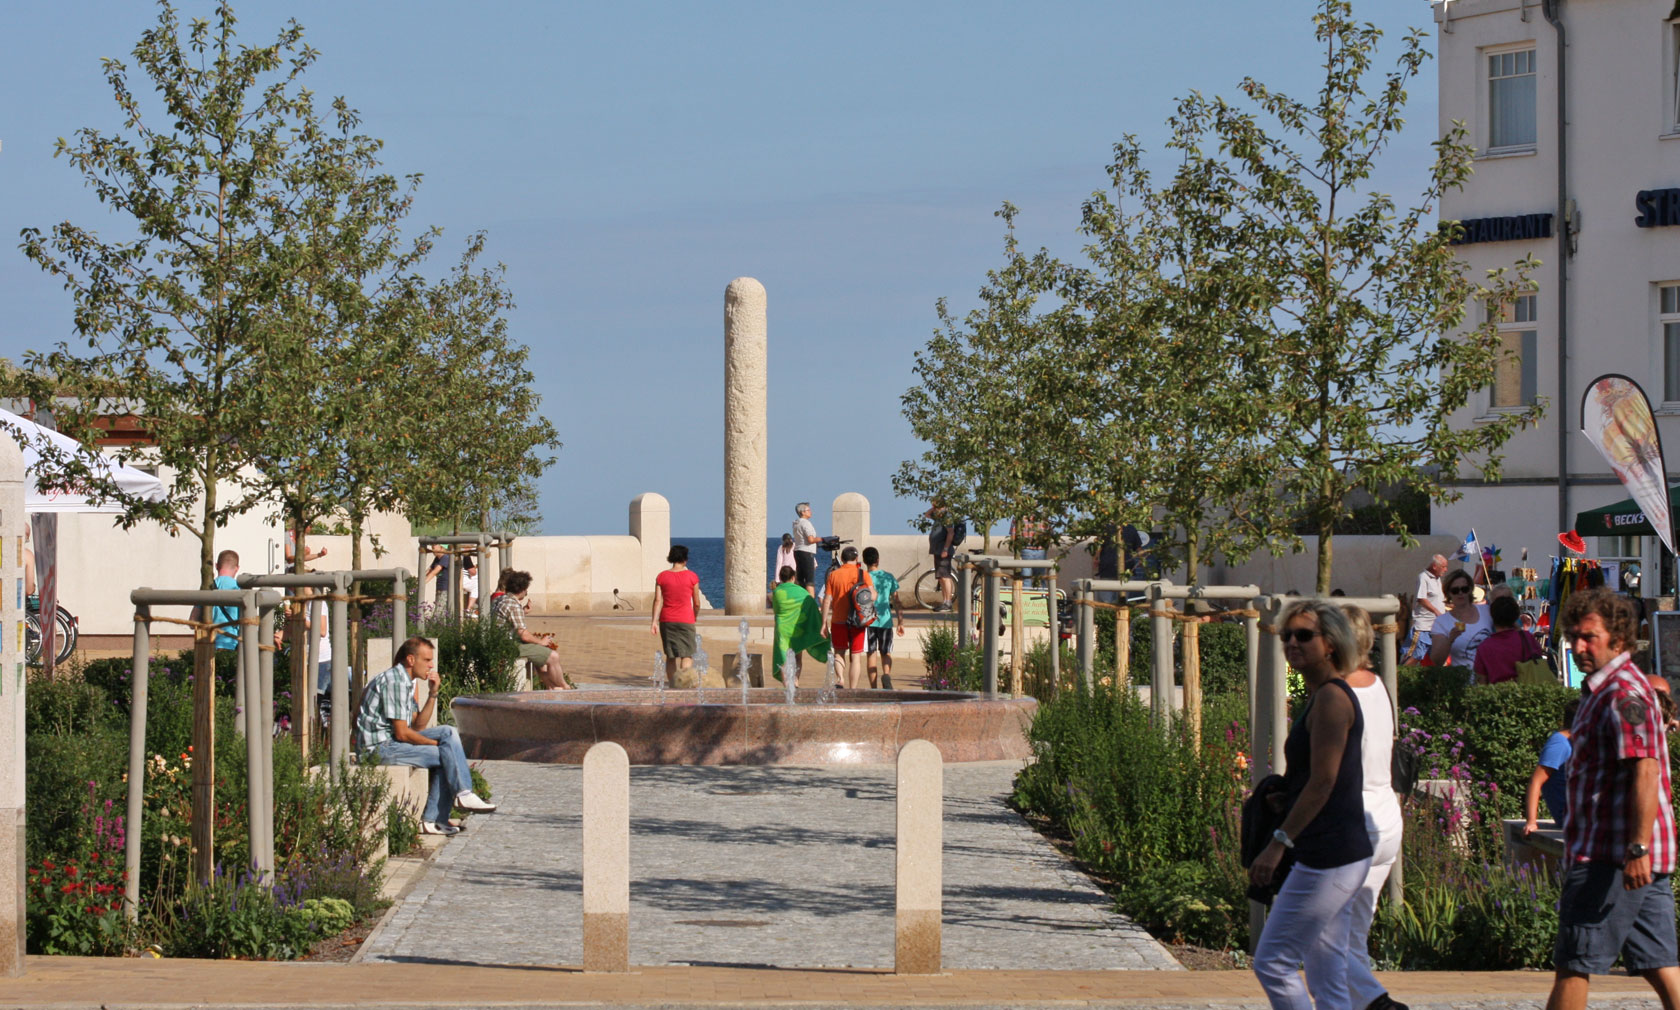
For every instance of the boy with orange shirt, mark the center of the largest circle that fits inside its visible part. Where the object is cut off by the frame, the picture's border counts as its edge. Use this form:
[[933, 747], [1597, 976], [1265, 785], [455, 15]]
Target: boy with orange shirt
[[849, 642]]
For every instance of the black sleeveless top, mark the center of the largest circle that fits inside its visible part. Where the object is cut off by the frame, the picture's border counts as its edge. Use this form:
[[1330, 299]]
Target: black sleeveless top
[[1337, 836]]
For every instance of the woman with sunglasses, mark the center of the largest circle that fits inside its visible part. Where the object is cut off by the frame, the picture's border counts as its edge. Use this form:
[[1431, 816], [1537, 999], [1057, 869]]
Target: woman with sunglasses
[[1325, 828], [1459, 631]]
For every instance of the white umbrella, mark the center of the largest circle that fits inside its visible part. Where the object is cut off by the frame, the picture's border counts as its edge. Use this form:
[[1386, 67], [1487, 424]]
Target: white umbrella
[[33, 438]]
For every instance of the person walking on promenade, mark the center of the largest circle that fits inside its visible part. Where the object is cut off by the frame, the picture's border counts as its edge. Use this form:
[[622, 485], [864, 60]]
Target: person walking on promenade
[[887, 617], [848, 640], [227, 572], [1507, 645], [676, 608], [1619, 833], [1459, 631], [943, 541], [784, 559], [1325, 827], [1550, 780], [805, 541], [391, 729], [1428, 603], [799, 626], [1383, 823]]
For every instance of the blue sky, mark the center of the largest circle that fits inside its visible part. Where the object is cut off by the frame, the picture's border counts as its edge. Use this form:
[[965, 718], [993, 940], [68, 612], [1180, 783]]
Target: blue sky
[[629, 159]]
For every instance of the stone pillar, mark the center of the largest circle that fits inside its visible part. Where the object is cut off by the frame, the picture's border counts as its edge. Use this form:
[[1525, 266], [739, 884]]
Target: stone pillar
[[746, 436], [851, 519], [921, 889], [11, 710], [606, 858], [650, 523]]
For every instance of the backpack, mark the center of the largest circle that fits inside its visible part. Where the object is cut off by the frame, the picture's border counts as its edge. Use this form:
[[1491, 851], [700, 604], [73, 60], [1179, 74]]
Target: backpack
[[863, 604], [936, 539]]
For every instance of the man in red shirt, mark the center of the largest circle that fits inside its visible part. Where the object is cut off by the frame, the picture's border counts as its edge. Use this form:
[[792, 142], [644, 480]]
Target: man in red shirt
[[849, 642], [1619, 833]]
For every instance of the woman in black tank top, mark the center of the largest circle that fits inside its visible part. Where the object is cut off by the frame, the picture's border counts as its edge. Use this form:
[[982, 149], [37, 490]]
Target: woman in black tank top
[[1325, 828]]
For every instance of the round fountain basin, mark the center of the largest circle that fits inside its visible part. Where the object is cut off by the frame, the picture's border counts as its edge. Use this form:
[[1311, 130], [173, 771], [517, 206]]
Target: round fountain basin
[[859, 727]]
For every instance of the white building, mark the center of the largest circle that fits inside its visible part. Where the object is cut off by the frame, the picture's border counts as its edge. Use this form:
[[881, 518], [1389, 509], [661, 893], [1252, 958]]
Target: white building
[[1608, 236]]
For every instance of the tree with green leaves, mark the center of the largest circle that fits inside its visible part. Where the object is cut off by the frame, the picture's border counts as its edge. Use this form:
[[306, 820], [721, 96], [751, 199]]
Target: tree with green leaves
[[1364, 355], [975, 400], [171, 319], [339, 328], [481, 441]]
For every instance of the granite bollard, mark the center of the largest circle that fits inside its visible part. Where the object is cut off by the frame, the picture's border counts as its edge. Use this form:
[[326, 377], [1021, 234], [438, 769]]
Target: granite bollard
[[606, 858], [920, 873]]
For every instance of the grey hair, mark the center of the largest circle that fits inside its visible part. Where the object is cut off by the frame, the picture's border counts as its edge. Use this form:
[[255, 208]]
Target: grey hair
[[801, 506], [1364, 636], [1338, 633]]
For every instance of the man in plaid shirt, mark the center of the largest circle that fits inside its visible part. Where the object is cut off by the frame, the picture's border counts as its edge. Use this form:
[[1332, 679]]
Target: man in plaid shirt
[[391, 729], [1619, 834], [538, 650]]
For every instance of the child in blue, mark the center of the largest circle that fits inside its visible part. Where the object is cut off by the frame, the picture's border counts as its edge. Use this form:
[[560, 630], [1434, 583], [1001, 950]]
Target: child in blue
[[1551, 775]]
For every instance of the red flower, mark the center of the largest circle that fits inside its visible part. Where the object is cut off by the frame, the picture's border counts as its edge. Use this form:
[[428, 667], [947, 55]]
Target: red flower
[[70, 888]]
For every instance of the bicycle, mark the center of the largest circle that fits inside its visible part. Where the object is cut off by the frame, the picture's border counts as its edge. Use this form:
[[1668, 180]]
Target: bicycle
[[65, 626]]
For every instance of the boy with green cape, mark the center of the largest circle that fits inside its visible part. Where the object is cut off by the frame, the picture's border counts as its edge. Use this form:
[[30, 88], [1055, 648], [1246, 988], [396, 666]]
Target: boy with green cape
[[798, 624]]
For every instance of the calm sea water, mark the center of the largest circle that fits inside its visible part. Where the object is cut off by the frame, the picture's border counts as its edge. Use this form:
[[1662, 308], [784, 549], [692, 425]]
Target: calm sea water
[[705, 559]]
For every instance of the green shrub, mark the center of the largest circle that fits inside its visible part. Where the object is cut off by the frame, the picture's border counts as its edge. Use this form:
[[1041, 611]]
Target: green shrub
[[1504, 724], [66, 708], [1188, 902], [329, 916], [473, 657], [233, 918], [56, 784], [948, 668], [402, 828]]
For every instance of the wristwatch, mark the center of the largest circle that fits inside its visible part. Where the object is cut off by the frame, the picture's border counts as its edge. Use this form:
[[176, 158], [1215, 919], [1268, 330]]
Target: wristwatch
[[1637, 851], [1283, 839]]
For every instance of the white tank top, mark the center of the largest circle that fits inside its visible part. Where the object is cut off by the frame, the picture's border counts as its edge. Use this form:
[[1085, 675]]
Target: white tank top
[[1382, 809]]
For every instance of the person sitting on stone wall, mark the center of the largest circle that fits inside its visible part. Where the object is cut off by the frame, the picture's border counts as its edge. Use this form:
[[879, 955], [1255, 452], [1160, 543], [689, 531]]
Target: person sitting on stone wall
[[538, 650], [391, 729]]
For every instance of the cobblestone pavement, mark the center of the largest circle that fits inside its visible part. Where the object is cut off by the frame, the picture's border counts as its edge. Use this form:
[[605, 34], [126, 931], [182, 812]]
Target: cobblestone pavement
[[791, 867]]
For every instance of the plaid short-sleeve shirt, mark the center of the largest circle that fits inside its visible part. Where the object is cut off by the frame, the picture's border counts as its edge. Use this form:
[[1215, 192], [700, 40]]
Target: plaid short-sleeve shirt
[[510, 609], [1619, 721], [388, 696]]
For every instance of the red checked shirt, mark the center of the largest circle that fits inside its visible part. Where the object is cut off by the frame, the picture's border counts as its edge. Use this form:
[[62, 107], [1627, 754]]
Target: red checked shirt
[[1619, 721]]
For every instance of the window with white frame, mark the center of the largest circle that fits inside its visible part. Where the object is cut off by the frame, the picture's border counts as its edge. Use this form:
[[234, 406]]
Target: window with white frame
[[1511, 100], [1668, 320], [1674, 76], [1515, 382]]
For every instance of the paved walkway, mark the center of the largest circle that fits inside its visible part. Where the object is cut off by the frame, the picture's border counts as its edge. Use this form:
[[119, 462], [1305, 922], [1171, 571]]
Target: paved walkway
[[784, 867], [66, 982]]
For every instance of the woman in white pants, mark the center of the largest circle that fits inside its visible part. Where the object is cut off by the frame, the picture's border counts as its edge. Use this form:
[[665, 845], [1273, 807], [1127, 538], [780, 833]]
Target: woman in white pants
[[1325, 826], [1382, 817]]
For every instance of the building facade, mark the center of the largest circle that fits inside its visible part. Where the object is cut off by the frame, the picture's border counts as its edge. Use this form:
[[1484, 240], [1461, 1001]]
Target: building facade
[[1573, 107]]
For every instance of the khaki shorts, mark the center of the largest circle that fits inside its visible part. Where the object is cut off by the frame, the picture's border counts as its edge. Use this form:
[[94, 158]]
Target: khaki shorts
[[534, 652], [677, 639]]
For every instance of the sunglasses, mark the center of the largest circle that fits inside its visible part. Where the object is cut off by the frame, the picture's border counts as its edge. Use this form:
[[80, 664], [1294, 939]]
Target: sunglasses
[[1455, 590], [1300, 636]]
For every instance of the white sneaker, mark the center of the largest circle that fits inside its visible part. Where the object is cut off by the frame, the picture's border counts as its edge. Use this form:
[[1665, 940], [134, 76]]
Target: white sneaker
[[470, 802], [434, 828]]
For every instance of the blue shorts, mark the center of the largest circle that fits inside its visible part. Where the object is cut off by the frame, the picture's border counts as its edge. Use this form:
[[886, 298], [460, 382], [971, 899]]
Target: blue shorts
[[1599, 919]]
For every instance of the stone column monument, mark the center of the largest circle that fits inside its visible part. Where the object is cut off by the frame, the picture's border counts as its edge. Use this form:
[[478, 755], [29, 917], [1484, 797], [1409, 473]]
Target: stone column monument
[[746, 428], [11, 709]]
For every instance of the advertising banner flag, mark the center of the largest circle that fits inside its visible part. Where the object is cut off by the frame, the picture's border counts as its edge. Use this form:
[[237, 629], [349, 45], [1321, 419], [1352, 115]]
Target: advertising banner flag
[[1616, 417]]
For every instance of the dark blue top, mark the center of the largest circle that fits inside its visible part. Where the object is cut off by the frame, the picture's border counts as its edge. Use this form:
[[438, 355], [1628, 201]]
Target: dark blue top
[[1337, 836]]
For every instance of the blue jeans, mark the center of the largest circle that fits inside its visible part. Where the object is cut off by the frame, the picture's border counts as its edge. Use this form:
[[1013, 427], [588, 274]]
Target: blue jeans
[[1034, 575], [446, 764], [1417, 643]]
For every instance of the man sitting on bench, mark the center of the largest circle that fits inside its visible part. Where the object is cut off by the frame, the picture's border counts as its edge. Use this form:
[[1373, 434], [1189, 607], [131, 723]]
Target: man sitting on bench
[[389, 730]]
